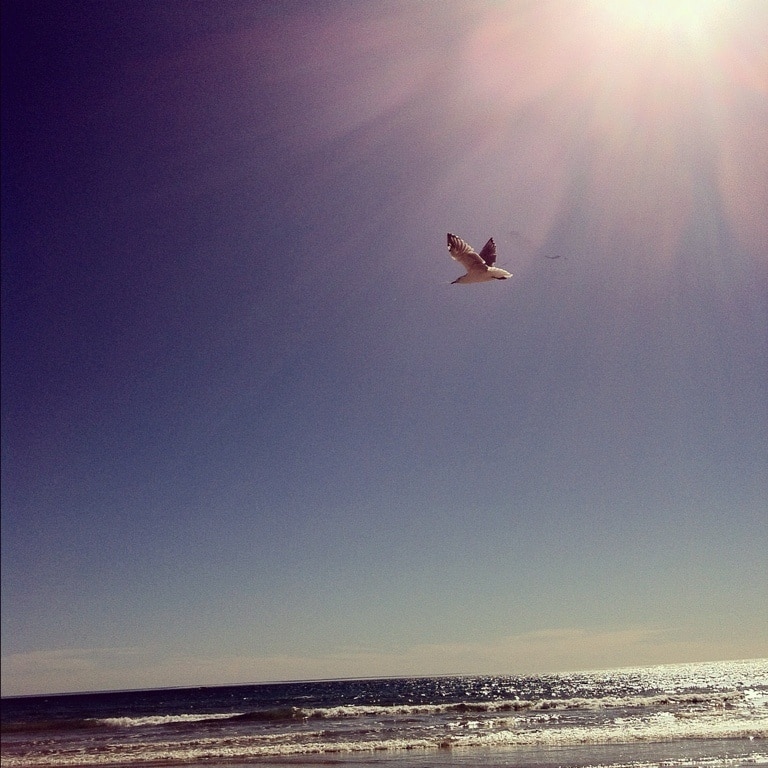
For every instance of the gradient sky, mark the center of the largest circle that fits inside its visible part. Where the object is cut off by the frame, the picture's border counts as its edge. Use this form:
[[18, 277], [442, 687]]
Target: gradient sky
[[250, 430]]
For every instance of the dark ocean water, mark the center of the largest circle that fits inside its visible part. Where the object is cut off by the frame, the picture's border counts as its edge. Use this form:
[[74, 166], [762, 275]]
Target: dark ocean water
[[713, 715]]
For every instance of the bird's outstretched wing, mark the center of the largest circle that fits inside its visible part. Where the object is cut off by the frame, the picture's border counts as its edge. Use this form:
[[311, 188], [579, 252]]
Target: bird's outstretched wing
[[488, 254], [464, 253]]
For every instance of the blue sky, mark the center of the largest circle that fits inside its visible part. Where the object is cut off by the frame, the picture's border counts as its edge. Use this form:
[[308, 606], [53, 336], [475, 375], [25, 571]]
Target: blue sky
[[250, 430]]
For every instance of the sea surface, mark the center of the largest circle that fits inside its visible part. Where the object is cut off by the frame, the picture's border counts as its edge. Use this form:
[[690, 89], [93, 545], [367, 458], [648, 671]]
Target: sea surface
[[709, 715]]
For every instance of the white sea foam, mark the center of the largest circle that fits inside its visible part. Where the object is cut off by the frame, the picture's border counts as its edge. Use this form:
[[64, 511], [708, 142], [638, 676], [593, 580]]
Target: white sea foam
[[751, 698], [496, 733], [138, 722], [662, 726], [701, 700]]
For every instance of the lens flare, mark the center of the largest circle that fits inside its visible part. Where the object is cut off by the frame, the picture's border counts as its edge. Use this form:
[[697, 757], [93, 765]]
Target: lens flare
[[684, 18], [650, 108]]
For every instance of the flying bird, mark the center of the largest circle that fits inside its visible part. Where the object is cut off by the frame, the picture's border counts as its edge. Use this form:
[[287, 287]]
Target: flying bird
[[479, 266]]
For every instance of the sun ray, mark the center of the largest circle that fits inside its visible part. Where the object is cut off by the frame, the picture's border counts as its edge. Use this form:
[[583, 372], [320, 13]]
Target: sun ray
[[639, 105]]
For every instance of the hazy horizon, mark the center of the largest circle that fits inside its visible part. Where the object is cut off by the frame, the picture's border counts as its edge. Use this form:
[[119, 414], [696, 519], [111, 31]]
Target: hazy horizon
[[383, 677]]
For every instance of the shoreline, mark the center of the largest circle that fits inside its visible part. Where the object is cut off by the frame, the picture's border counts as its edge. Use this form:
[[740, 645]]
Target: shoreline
[[690, 753]]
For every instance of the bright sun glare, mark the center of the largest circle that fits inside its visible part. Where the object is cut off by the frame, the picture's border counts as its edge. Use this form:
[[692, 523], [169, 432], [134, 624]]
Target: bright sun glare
[[685, 18], [656, 92]]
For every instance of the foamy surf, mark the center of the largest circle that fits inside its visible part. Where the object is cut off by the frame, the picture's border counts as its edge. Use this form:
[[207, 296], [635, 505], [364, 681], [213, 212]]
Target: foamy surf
[[454, 721]]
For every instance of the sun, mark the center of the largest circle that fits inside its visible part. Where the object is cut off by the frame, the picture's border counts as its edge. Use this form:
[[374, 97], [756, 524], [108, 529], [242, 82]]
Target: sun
[[636, 114], [679, 18]]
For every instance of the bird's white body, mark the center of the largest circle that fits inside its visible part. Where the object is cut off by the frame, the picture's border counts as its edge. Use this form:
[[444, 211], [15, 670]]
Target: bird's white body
[[479, 266]]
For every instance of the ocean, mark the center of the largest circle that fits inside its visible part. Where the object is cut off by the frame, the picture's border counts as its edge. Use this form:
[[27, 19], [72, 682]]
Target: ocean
[[708, 715]]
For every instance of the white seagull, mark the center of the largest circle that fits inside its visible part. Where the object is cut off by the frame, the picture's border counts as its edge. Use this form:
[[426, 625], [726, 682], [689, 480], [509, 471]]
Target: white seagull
[[479, 266]]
